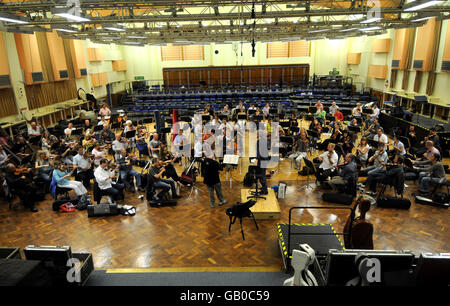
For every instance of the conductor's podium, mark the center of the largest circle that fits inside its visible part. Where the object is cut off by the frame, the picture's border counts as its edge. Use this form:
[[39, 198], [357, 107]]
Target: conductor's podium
[[264, 209]]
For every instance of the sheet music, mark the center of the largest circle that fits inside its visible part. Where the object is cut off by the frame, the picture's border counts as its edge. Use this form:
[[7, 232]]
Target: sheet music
[[231, 159]]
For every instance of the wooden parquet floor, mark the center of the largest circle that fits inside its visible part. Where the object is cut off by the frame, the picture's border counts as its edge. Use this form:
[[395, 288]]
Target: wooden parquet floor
[[194, 235]]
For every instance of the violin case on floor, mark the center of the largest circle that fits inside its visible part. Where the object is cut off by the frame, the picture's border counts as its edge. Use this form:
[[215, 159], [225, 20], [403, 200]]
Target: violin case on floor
[[338, 198], [393, 202]]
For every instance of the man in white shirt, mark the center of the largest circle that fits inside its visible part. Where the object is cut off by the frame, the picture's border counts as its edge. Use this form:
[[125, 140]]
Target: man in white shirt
[[357, 111], [380, 137], [68, 131], [82, 166], [118, 145], [266, 110], [398, 147], [178, 143], [328, 160], [375, 113], [104, 180], [333, 108]]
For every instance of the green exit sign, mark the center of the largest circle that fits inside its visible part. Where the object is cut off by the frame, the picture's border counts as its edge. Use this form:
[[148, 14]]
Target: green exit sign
[[331, 72], [139, 78]]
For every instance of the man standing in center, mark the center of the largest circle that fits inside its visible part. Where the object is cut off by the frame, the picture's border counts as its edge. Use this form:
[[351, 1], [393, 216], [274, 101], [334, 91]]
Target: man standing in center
[[212, 180]]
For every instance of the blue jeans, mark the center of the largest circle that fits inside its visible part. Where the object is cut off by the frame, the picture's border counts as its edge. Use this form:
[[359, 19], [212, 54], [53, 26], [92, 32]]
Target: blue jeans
[[425, 181], [165, 185], [124, 174]]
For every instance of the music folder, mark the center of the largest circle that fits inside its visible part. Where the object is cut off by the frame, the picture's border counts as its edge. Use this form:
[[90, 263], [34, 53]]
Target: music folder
[[130, 134], [76, 132], [231, 159]]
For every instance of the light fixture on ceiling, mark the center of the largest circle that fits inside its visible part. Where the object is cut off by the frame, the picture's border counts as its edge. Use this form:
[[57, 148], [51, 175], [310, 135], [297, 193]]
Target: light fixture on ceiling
[[348, 29], [370, 28], [318, 30], [113, 28], [65, 29], [372, 18], [423, 17], [13, 18], [69, 14], [421, 4], [137, 37]]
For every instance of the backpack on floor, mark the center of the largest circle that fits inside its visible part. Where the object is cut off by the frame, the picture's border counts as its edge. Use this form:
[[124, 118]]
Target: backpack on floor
[[248, 180]]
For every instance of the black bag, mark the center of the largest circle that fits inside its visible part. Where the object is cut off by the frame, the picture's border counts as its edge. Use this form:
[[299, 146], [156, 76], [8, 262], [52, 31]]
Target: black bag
[[162, 203], [83, 203], [394, 202], [306, 171], [441, 198], [101, 210], [338, 198], [249, 180]]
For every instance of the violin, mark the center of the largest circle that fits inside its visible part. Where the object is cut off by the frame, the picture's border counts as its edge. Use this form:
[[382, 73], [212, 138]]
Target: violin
[[22, 171]]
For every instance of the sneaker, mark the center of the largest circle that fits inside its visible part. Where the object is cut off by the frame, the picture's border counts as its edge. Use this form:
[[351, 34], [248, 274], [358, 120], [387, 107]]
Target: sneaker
[[222, 203], [212, 206]]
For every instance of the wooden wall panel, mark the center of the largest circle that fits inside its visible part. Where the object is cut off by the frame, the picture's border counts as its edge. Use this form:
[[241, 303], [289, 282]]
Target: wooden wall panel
[[381, 45], [400, 48], [7, 102], [40, 95], [5, 81], [425, 44], [29, 57], [57, 56], [95, 54], [119, 65], [377, 71], [446, 55], [354, 58], [301, 48], [78, 58], [99, 79], [277, 49], [194, 77], [235, 77], [214, 76]]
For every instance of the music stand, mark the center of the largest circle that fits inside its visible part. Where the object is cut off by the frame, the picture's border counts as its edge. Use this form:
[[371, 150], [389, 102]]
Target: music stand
[[309, 165], [130, 134], [258, 118], [230, 162], [98, 128], [242, 117], [355, 129], [372, 143], [251, 111], [254, 194]]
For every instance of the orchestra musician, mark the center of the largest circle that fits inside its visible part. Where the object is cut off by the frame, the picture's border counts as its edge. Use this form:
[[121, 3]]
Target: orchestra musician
[[328, 161], [300, 150], [98, 153], [381, 137], [88, 142], [118, 145], [34, 133], [380, 157], [397, 147], [155, 146], [357, 111], [104, 110], [141, 136], [388, 171], [19, 184], [104, 174], [362, 151], [82, 166], [345, 172], [4, 158], [156, 171], [68, 132], [125, 163], [44, 168], [375, 113], [61, 176]]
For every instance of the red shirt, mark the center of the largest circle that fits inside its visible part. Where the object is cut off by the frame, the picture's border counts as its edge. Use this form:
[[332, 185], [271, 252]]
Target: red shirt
[[339, 116]]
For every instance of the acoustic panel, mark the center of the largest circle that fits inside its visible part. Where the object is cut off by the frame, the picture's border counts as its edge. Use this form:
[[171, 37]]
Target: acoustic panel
[[78, 58], [29, 58], [119, 65], [400, 48], [4, 67], [425, 43], [354, 58], [377, 71], [99, 79], [95, 54], [446, 55], [381, 45], [57, 55]]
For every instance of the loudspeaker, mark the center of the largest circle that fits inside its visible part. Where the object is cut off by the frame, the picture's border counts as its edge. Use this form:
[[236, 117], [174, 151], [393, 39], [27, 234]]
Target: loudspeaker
[[100, 210]]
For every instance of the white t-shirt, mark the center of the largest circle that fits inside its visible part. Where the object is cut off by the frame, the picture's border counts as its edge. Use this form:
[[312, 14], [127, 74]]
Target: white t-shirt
[[383, 138], [102, 177], [325, 165]]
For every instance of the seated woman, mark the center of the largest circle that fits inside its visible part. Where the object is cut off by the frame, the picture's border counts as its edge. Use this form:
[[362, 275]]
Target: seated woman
[[98, 154], [61, 176], [362, 151], [44, 169], [300, 150], [88, 142], [141, 136], [168, 160]]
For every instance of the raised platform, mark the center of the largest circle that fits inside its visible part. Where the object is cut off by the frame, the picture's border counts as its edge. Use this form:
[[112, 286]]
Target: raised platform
[[267, 209], [321, 237]]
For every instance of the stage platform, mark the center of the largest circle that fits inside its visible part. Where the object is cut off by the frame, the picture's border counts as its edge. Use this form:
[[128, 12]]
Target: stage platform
[[321, 237], [267, 209]]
